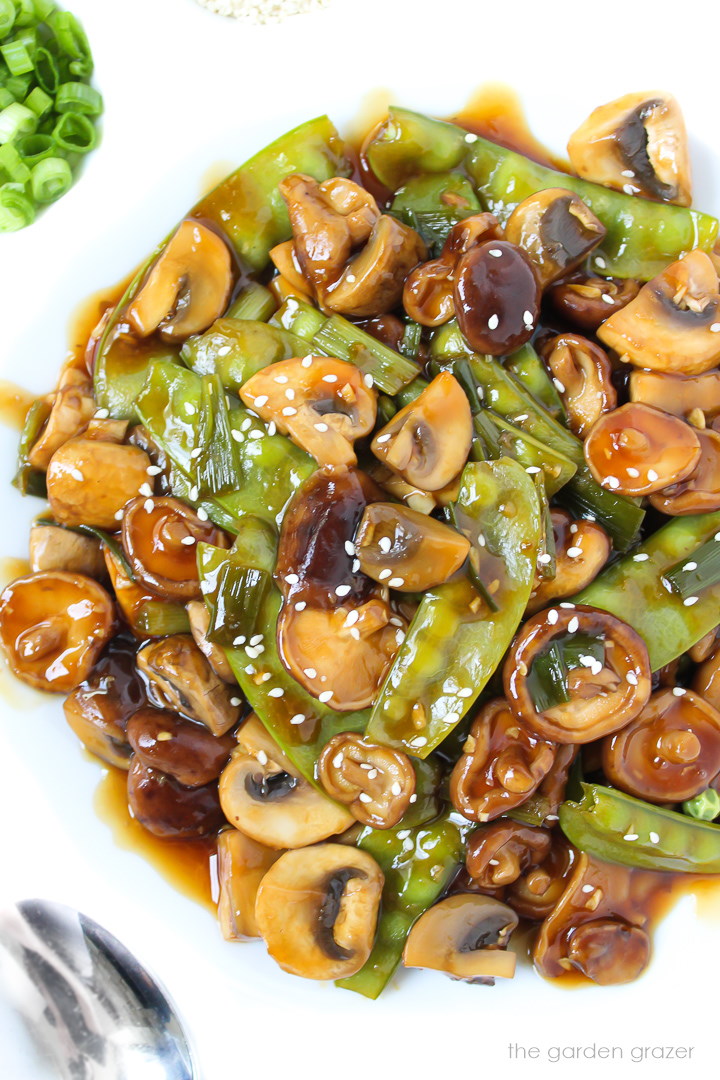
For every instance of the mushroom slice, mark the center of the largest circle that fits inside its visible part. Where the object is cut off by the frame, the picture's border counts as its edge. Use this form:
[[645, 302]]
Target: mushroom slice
[[707, 680], [99, 708], [317, 910], [53, 627], [537, 891], [584, 372], [497, 297], [499, 853], [187, 287], [681, 395], [341, 657], [89, 481], [72, 409], [502, 765], [376, 782], [556, 229], [699, 493], [672, 324], [465, 936], [182, 680], [288, 266], [178, 747], [598, 925], [636, 144], [407, 550], [323, 404], [264, 796], [704, 648], [199, 617], [588, 301], [638, 450], [372, 282], [55, 548], [428, 441], [669, 753], [241, 865], [604, 696], [167, 808], [160, 540], [581, 550]]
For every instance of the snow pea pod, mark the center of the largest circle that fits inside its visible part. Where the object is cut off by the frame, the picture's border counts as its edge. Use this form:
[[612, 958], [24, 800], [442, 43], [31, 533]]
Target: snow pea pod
[[454, 642], [642, 236], [418, 865], [621, 829], [237, 349], [635, 591]]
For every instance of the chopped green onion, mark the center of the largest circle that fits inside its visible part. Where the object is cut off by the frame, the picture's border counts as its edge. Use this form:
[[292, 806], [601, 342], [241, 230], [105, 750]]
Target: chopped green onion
[[547, 681], [16, 210], [29, 480], [217, 466], [240, 593], [547, 563], [38, 101], [18, 86], [474, 561], [50, 179], [696, 572], [703, 807], [6, 98], [157, 618], [74, 132], [254, 303], [299, 318], [13, 165], [411, 392], [16, 120], [34, 148], [79, 98], [71, 39], [410, 344], [389, 370], [46, 71], [531, 373], [7, 17], [43, 8], [386, 409], [26, 14], [17, 57]]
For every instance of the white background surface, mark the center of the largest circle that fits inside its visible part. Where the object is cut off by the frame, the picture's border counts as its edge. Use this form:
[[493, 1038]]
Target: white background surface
[[185, 90]]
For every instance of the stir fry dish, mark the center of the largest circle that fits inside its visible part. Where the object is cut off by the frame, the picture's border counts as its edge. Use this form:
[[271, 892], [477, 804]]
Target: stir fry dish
[[383, 545]]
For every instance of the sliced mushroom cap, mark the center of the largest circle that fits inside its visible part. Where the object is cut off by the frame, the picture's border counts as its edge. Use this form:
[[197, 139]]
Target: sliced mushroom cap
[[323, 404], [178, 747], [428, 441], [407, 550], [499, 853], [537, 891], [669, 753], [497, 297], [160, 540], [375, 782], [167, 808], [680, 395], [241, 865], [53, 627], [199, 617], [187, 287], [55, 548], [341, 657], [99, 708], [264, 796], [638, 450], [556, 229], [588, 301], [372, 282], [286, 262], [636, 144], [673, 324], [699, 493], [584, 372], [465, 936], [609, 951], [316, 554], [317, 910], [604, 695], [89, 481], [72, 409], [581, 550], [409, 494], [181, 679], [502, 764]]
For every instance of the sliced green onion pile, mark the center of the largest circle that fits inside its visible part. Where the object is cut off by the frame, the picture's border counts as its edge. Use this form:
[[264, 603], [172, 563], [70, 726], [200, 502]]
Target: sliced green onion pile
[[48, 110]]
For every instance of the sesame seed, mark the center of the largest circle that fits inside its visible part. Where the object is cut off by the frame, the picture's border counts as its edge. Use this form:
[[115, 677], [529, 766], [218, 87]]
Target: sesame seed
[[240, 640], [311, 672], [679, 691], [396, 582], [493, 322], [194, 492], [271, 428], [298, 718], [330, 378], [250, 670], [282, 379], [632, 472], [306, 361], [352, 618], [495, 252], [465, 692], [149, 506], [77, 475], [254, 651], [654, 838], [338, 760], [325, 696], [715, 328], [369, 381], [260, 401], [533, 469], [690, 601], [195, 453], [567, 604], [290, 394], [552, 617], [349, 547], [292, 579], [190, 409], [289, 410], [202, 513], [469, 138], [145, 489], [188, 541], [418, 741], [600, 262], [630, 836], [277, 691], [560, 387], [383, 438], [630, 189], [355, 565], [385, 543], [396, 789], [262, 757], [573, 528], [652, 475], [364, 797], [256, 639], [384, 574], [119, 515], [342, 590], [154, 470], [235, 701], [574, 552], [611, 482], [102, 414], [690, 566], [301, 605], [632, 678], [574, 625], [544, 559], [394, 621], [237, 435], [247, 423], [413, 798], [588, 888], [321, 427], [628, 172], [355, 633], [641, 556], [528, 318], [256, 433]]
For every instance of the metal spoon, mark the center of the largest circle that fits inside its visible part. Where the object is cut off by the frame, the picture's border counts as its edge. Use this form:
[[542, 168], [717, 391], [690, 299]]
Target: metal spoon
[[81, 1005]]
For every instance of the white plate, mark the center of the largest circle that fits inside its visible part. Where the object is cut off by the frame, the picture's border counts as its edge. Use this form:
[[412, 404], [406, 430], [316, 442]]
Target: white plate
[[185, 90]]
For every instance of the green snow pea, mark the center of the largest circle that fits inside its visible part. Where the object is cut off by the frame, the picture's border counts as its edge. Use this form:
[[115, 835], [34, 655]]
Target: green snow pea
[[433, 203], [237, 349]]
